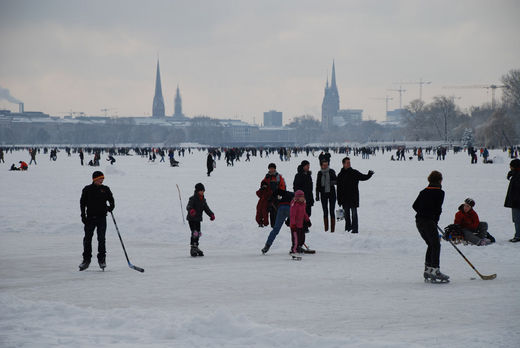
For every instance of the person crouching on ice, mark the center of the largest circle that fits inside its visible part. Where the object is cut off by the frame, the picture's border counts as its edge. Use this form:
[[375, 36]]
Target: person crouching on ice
[[475, 231], [196, 205], [299, 220]]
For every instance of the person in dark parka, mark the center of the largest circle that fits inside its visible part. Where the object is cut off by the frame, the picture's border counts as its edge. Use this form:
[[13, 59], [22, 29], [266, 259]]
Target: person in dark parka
[[210, 163], [303, 181], [513, 196], [93, 204], [348, 193], [428, 207]]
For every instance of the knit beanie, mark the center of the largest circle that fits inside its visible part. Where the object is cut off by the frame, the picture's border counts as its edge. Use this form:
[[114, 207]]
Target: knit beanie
[[199, 187], [470, 202], [97, 175], [299, 193]]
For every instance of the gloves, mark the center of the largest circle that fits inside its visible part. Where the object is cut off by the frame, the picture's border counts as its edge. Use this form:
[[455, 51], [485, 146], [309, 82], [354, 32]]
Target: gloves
[[293, 227], [370, 172], [83, 219], [317, 198], [193, 212], [309, 223], [110, 209], [212, 217]]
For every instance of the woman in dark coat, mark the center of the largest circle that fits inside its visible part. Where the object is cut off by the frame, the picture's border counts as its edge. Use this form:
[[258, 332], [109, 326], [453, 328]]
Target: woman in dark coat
[[326, 190]]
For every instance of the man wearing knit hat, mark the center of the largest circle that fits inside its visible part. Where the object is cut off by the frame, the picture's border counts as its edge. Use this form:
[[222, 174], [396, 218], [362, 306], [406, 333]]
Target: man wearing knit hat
[[93, 203], [513, 196]]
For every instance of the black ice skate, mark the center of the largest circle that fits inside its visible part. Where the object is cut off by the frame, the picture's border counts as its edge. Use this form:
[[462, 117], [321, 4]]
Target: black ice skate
[[435, 276], [102, 264], [84, 265], [265, 249], [195, 251]]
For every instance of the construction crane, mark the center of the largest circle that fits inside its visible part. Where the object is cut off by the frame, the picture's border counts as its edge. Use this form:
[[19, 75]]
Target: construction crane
[[400, 91], [421, 83], [491, 87], [386, 99]]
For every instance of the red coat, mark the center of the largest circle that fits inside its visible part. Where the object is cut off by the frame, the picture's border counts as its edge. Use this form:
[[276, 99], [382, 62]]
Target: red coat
[[298, 214], [262, 211], [467, 220]]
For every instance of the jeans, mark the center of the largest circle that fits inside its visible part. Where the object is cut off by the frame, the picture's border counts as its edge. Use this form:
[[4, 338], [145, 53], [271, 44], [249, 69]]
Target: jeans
[[99, 222], [516, 220], [428, 230], [328, 202], [351, 225], [281, 215]]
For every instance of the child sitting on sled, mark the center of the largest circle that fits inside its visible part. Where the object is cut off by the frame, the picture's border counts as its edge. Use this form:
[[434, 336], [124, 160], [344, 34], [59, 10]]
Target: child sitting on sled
[[474, 230]]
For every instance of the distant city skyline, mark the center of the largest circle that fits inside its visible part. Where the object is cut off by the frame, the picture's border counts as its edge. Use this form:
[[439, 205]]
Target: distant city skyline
[[240, 59]]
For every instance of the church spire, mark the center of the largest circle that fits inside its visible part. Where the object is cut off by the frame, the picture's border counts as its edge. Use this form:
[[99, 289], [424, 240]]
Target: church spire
[[333, 78], [158, 101], [178, 104]]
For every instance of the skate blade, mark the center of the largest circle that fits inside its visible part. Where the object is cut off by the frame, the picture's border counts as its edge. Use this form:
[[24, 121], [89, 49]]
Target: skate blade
[[436, 281], [296, 258]]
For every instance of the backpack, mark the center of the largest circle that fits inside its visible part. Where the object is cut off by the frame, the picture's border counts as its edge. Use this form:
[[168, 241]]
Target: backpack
[[454, 233]]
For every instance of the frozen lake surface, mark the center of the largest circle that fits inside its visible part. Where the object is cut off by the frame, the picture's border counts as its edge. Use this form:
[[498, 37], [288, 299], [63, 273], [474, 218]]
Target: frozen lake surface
[[362, 290]]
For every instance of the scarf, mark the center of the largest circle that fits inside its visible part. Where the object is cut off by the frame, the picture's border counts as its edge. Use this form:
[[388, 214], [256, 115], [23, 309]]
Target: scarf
[[325, 179]]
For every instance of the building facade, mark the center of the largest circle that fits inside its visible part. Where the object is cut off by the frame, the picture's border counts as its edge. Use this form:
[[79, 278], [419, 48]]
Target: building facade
[[273, 118]]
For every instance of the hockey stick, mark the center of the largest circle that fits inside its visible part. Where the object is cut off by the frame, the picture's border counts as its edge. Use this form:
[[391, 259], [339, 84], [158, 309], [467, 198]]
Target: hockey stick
[[483, 277], [126, 255], [306, 247], [180, 199]]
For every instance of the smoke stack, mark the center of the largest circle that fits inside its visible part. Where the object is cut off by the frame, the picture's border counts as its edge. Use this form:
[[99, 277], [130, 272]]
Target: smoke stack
[[20, 107]]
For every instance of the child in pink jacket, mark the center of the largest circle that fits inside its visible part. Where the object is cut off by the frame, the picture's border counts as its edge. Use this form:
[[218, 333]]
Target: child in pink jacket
[[298, 217]]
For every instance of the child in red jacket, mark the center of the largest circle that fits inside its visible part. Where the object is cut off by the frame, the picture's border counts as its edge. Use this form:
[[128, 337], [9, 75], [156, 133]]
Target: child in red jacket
[[298, 218], [475, 232]]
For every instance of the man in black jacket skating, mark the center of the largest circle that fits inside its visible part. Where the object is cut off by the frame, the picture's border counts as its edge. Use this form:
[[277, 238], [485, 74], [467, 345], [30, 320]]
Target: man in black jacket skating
[[428, 207], [348, 193], [93, 204]]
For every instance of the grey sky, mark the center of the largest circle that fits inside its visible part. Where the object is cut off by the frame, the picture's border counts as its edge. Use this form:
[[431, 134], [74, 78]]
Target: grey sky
[[240, 58]]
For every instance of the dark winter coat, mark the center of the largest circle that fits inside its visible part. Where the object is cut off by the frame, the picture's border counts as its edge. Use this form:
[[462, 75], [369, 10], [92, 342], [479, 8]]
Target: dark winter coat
[[513, 190], [199, 204], [209, 163], [348, 187], [284, 197], [320, 190], [428, 204], [303, 181], [94, 200]]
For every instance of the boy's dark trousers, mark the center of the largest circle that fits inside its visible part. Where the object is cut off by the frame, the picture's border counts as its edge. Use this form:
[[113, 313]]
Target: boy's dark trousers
[[428, 230], [195, 233], [99, 222]]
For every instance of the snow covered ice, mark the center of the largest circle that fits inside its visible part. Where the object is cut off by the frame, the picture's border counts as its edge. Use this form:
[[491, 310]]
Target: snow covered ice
[[362, 290]]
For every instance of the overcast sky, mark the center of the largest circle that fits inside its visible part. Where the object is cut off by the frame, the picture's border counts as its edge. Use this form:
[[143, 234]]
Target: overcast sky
[[241, 58]]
